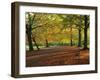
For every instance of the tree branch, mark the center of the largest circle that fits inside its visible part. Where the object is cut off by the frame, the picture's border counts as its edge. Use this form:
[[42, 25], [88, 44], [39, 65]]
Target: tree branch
[[38, 26]]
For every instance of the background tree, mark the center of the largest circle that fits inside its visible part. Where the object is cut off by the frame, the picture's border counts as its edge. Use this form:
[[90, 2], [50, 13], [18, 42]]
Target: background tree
[[69, 22]]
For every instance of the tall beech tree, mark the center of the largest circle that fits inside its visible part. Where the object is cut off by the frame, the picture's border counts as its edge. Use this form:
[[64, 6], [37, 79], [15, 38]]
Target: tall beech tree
[[79, 32], [79, 26], [29, 24], [86, 26], [29, 27]]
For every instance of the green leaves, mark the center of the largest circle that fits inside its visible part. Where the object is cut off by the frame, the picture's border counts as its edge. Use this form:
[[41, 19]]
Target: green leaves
[[55, 27]]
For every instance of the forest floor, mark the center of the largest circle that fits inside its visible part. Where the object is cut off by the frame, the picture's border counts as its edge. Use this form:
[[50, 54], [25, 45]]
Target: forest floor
[[52, 56]]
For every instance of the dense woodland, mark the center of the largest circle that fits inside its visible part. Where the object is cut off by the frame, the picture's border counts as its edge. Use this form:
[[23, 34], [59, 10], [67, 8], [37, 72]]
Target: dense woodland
[[44, 30]]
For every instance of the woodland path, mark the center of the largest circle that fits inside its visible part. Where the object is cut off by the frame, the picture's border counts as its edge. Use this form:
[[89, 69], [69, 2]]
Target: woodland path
[[52, 56]]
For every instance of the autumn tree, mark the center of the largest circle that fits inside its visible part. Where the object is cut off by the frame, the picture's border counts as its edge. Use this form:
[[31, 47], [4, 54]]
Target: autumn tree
[[79, 26], [29, 23], [69, 23], [86, 26]]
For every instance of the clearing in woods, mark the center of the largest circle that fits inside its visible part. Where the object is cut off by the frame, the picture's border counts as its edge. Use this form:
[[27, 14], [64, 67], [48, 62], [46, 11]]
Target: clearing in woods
[[61, 55]]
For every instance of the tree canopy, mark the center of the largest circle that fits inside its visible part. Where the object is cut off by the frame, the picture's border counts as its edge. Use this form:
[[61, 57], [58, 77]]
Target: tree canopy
[[47, 30]]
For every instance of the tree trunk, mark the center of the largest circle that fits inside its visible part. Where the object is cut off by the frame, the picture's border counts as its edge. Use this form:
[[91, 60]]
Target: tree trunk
[[85, 32], [71, 36], [29, 37], [85, 38], [47, 45], [79, 38], [29, 32], [79, 32], [36, 43]]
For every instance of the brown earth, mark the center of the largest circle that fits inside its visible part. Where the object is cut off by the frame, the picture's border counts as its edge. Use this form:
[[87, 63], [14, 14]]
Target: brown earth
[[63, 55]]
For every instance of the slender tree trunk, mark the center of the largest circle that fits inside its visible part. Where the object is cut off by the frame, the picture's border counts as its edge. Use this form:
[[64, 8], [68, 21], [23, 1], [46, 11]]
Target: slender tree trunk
[[85, 32], [47, 45], [36, 43], [85, 38], [71, 36], [29, 37], [79, 32], [79, 38]]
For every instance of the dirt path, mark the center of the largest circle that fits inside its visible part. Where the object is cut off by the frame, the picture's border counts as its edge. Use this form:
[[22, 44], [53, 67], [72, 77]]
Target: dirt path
[[63, 55]]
